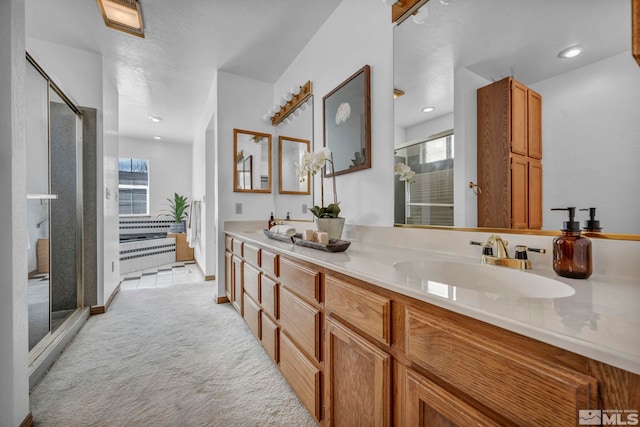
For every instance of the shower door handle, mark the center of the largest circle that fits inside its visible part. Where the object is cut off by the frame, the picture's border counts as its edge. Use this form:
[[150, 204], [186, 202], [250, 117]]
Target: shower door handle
[[42, 196]]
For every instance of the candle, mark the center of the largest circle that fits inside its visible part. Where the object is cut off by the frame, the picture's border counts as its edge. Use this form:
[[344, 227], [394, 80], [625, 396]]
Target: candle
[[323, 237], [308, 235]]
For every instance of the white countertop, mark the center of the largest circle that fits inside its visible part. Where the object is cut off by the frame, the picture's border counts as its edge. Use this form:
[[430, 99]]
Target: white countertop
[[600, 321]]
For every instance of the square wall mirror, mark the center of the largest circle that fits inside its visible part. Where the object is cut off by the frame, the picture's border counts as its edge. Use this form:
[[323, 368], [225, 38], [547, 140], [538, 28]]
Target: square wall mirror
[[290, 152], [252, 161], [347, 123]]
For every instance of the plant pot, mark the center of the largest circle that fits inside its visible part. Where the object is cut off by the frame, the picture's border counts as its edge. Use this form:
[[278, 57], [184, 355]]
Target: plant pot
[[177, 227], [332, 226]]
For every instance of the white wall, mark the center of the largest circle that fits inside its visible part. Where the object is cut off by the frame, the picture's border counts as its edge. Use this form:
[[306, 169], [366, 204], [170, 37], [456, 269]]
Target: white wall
[[359, 32], [14, 376], [169, 169], [241, 104], [590, 128]]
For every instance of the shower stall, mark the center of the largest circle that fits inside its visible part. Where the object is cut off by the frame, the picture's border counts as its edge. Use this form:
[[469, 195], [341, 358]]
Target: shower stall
[[54, 207]]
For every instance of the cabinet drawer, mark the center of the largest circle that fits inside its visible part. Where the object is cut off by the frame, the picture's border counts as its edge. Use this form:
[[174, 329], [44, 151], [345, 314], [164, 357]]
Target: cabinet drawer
[[270, 336], [365, 310], [228, 243], [251, 254], [251, 281], [302, 280], [301, 321], [524, 389], [302, 376], [270, 263], [237, 247], [252, 315], [269, 296]]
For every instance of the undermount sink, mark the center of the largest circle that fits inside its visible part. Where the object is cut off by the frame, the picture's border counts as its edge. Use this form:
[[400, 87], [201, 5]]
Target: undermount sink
[[486, 278]]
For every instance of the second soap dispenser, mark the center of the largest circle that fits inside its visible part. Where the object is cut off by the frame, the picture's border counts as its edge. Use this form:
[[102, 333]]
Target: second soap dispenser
[[571, 250]]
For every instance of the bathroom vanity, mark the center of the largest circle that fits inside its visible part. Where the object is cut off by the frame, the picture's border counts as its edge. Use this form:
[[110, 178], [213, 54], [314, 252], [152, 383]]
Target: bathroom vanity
[[363, 341]]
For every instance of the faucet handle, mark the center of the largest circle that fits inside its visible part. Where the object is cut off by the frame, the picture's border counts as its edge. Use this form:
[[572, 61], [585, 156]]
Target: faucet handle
[[521, 251], [487, 248]]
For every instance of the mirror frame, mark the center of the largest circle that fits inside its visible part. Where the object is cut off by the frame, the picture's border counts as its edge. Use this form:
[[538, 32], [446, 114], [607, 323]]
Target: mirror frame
[[366, 144], [235, 160], [635, 29], [298, 141]]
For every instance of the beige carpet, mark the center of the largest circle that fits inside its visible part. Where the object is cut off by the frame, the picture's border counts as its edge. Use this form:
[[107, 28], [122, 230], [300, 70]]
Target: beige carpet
[[166, 357]]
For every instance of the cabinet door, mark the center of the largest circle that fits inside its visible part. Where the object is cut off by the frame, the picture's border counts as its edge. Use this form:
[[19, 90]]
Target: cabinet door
[[519, 193], [535, 194], [302, 375], [251, 281], [519, 118], [236, 290], [429, 405], [251, 314], [270, 337], [358, 380], [534, 126], [228, 275]]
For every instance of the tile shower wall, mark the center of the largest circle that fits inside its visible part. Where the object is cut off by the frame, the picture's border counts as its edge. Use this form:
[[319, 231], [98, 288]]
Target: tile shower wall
[[144, 225]]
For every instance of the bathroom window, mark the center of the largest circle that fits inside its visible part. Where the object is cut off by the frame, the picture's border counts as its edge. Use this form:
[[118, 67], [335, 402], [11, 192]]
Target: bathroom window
[[133, 178]]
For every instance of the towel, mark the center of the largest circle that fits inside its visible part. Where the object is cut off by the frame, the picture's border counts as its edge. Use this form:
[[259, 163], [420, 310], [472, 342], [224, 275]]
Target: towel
[[287, 230]]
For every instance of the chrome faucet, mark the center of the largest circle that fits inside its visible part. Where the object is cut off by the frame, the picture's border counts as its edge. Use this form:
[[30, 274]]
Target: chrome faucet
[[501, 256]]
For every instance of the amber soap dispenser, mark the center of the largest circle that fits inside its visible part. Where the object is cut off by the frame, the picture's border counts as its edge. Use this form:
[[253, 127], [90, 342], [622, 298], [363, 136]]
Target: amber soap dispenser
[[571, 251]]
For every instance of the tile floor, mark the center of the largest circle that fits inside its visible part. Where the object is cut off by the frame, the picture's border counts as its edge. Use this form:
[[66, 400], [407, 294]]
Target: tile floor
[[164, 275]]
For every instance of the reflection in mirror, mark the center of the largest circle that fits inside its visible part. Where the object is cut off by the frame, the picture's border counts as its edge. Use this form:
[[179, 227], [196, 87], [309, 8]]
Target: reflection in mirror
[[427, 197], [347, 123], [252, 158], [290, 152], [299, 126], [590, 102]]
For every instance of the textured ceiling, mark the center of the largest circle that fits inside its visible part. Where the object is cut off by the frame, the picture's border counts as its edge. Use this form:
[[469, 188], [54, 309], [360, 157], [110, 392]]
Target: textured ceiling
[[170, 71], [499, 38]]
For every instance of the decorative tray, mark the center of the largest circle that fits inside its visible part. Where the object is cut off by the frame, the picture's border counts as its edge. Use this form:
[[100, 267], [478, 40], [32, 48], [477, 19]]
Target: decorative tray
[[278, 236], [334, 245]]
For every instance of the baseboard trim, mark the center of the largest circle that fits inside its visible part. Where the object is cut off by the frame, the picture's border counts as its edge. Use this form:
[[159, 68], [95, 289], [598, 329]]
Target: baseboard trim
[[222, 300], [28, 421], [97, 309], [209, 278], [102, 309]]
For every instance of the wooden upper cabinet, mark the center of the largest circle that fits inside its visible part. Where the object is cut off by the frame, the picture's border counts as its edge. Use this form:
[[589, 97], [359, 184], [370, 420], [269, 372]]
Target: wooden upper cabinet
[[534, 139], [519, 192], [509, 137], [519, 118]]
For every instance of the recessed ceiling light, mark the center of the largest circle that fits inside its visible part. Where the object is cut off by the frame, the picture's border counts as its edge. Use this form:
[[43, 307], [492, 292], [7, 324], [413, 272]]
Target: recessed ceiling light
[[570, 52], [155, 119], [428, 109], [157, 137]]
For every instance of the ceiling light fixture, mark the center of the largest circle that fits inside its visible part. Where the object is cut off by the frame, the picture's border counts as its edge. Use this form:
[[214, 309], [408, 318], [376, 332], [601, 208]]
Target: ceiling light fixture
[[155, 119], [122, 15], [428, 109], [157, 137], [570, 52], [397, 93]]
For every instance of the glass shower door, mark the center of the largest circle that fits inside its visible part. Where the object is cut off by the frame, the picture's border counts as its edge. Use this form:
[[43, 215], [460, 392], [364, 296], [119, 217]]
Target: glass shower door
[[53, 206]]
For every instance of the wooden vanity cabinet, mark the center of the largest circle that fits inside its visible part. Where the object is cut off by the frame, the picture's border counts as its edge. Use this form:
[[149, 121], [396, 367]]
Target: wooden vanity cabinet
[[359, 354], [509, 156]]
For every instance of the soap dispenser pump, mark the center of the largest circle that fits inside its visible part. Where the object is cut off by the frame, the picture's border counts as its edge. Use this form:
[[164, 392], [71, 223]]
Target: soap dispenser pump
[[571, 251], [272, 221], [592, 224]]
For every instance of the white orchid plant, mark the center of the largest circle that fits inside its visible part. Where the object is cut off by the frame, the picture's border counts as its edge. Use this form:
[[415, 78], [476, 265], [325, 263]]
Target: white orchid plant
[[405, 173], [311, 163]]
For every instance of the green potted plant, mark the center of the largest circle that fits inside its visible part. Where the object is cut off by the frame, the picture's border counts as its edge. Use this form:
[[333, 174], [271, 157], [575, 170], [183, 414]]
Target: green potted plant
[[178, 212]]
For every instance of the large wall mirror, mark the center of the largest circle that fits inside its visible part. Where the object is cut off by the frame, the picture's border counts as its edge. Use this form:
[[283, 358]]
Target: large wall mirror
[[290, 151], [252, 160], [295, 136], [590, 102]]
